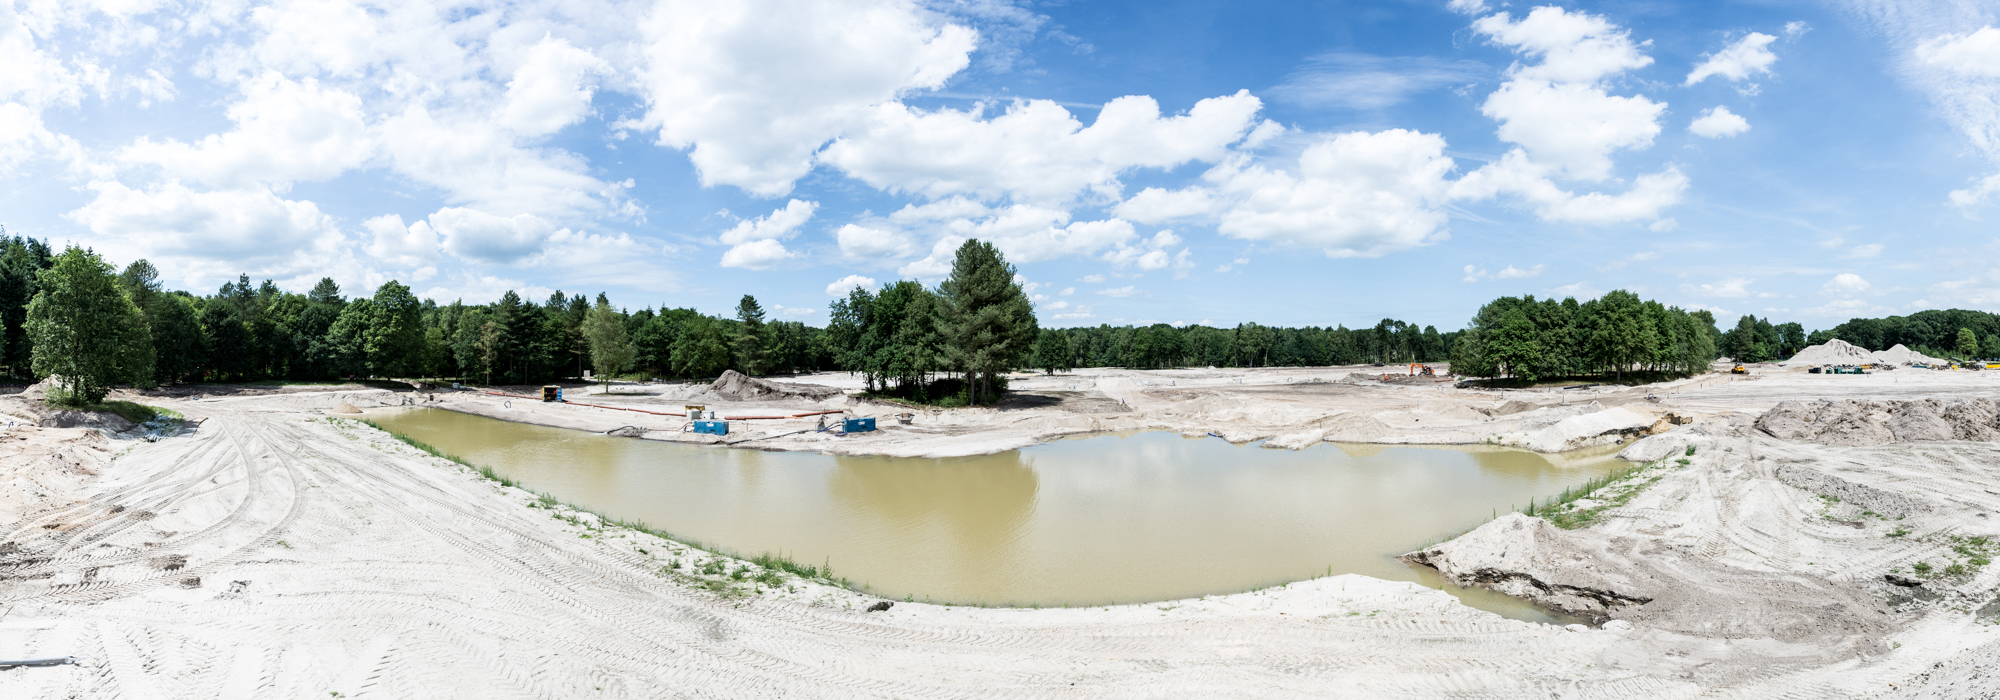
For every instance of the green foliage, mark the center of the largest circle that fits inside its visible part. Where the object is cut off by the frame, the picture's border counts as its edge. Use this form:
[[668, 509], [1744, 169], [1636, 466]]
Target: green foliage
[[1612, 336], [984, 317], [85, 329], [702, 350], [1968, 343], [1605, 493], [381, 336], [751, 343], [1053, 353], [610, 348]]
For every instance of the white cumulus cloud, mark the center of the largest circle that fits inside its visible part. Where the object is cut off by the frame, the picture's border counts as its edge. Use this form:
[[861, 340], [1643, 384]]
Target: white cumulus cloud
[[840, 287], [754, 88], [1035, 151], [1717, 122], [1847, 283], [1750, 55]]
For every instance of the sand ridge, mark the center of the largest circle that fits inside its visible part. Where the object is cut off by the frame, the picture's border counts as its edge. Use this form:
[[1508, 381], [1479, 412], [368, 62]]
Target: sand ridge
[[280, 550]]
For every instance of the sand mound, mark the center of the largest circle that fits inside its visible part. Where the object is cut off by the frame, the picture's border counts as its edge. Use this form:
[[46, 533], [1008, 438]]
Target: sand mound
[[1863, 423], [1901, 355], [1598, 428], [40, 390], [1352, 427], [1832, 352], [1514, 406], [736, 386], [345, 407]]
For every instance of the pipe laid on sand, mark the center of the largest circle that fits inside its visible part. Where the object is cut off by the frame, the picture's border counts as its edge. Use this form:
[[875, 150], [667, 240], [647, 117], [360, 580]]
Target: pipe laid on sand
[[669, 413], [52, 661]]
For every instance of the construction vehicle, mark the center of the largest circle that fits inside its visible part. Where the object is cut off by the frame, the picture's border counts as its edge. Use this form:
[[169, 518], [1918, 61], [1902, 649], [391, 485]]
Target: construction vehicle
[[552, 394], [1738, 369], [1848, 369], [1422, 370]]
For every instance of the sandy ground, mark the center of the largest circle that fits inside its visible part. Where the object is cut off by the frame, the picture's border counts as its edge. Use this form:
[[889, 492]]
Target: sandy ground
[[279, 550]]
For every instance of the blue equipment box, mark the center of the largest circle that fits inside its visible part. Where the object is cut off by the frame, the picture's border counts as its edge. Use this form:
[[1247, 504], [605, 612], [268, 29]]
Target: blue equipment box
[[857, 425], [712, 427]]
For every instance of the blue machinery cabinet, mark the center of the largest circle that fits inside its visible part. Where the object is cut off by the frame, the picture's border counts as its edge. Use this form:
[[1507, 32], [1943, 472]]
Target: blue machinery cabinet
[[715, 427], [857, 425]]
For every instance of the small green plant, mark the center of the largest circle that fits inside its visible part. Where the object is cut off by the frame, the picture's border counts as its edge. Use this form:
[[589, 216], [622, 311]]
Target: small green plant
[[1899, 531], [1690, 451], [1923, 568], [286, 545]]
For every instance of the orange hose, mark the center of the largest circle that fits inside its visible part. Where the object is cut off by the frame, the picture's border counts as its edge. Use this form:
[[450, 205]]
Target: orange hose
[[667, 413]]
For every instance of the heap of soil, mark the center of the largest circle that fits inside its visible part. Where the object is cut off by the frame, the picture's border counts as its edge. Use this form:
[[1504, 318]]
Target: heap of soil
[[1832, 352], [345, 407], [736, 386], [1900, 355], [1860, 423]]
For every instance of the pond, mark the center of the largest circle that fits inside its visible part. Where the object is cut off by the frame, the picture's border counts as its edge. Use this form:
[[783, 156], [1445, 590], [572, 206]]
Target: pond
[[1087, 521]]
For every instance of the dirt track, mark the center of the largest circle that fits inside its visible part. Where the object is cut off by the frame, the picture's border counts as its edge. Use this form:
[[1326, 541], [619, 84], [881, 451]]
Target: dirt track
[[276, 553]]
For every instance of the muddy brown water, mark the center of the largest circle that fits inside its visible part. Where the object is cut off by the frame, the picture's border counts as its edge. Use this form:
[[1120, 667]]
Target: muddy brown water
[[1088, 521]]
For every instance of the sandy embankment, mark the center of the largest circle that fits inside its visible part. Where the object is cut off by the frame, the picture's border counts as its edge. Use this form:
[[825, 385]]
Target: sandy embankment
[[1287, 407], [275, 553]]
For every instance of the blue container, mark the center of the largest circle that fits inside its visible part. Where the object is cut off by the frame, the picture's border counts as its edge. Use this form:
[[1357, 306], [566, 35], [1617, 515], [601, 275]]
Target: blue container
[[712, 427], [858, 425]]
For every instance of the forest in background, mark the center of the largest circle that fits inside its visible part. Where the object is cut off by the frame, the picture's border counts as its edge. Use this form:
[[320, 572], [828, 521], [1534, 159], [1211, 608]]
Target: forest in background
[[906, 339]]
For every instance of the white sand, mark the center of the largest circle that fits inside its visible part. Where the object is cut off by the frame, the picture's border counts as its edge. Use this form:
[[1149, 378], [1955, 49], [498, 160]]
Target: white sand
[[327, 558]]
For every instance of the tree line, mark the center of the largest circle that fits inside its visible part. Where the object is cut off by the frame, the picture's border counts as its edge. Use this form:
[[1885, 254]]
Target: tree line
[[1246, 345], [1940, 333], [71, 314], [1613, 335]]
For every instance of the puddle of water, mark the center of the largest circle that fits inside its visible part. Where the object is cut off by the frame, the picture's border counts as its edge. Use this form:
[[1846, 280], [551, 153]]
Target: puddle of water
[[1090, 521]]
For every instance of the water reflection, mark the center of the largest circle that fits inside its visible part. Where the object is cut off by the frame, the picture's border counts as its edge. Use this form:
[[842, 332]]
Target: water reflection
[[1105, 519]]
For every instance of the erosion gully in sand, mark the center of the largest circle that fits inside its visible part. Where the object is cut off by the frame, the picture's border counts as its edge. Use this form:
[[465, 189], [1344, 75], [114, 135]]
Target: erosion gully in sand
[[282, 550]]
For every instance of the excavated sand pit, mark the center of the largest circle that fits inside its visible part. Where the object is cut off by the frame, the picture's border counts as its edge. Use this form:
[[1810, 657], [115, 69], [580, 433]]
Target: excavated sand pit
[[279, 550]]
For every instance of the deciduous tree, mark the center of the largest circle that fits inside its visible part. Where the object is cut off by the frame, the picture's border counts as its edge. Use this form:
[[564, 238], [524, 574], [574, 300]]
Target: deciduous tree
[[85, 330]]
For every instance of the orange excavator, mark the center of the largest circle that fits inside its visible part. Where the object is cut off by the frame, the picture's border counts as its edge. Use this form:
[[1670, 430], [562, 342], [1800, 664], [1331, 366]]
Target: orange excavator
[[1422, 370]]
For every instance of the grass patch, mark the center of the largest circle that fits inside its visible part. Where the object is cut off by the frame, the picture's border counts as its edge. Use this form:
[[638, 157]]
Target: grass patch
[[1604, 493], [1969, 554], [714, 575], [1630, 379], [135, 412]]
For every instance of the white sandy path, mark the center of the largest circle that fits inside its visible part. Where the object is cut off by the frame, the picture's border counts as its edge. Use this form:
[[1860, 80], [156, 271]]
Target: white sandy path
[[371, 570]]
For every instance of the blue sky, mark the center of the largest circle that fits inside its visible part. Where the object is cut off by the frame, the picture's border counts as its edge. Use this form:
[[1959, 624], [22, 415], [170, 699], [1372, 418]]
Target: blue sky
[[1288, 163]]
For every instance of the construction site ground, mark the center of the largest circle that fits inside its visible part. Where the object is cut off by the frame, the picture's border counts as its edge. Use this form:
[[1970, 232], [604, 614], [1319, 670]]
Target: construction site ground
[[279, 548]]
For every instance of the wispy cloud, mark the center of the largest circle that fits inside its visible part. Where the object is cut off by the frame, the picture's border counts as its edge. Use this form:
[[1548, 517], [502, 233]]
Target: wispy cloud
[[1364, 81]]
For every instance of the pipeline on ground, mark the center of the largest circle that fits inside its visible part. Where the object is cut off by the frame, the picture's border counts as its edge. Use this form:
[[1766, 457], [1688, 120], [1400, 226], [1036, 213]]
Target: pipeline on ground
[[668, 413]]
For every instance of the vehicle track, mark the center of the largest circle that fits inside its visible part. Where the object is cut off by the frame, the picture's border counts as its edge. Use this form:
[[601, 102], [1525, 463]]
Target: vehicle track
[[405, 576]]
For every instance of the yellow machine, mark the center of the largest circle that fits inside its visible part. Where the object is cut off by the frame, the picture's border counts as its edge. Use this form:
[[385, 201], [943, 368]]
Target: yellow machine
[[1738, 370], [551, 393]]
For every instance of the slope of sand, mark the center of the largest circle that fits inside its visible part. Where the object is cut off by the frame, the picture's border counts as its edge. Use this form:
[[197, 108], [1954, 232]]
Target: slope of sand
[[282, 551]]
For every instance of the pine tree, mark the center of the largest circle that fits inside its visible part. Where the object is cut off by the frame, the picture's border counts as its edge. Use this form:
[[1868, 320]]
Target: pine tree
[[985, 318], [752, 342]]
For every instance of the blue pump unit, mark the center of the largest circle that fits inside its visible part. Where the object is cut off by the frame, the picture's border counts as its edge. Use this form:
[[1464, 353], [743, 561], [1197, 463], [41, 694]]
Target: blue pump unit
[[857, 425], [712, 427]]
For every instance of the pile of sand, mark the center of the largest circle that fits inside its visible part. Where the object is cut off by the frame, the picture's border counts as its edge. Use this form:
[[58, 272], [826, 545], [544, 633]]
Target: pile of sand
[[1598, 428], [1900, 355], [1863, 423], [736, 386], [1832, 352], [345, 407]]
